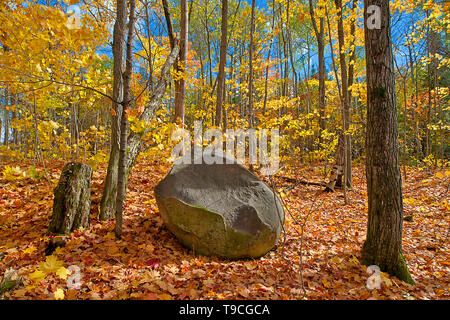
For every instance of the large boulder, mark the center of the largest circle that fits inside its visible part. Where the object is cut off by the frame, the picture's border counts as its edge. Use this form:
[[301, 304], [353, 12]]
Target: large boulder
[[220, 209]]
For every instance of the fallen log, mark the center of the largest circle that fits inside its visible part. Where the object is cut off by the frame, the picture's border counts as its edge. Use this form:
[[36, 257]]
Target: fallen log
[[298, 181]]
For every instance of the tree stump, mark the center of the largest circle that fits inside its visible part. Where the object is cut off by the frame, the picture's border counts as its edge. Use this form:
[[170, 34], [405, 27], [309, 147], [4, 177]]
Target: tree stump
[[72, 202], [338, 168]]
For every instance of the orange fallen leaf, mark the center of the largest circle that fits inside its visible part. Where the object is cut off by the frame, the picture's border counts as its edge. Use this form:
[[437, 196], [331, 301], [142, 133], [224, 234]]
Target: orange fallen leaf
[[164, 296]]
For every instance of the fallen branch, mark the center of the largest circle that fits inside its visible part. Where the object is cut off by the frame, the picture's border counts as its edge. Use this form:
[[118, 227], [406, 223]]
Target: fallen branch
[[304, 182]]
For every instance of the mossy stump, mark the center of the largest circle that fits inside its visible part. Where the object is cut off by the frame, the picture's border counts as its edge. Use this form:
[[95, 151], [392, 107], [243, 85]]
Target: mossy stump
[[72, 201]]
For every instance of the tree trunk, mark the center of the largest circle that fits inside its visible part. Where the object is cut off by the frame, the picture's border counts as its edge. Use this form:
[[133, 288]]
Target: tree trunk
[[222, 63], [383, 245], [180, 84], [350, 79], [134, 140], [351, 64], [345, 99], [107, 204], [1, 126], [250, 64], [168, 23], [208, 44], [72, 202], [280, 66], [6, 118], [268, 59], [416, 140], [13, 120], [1, 123], [149, 57], [320, 36], [322, 75], [291, 54], [338, 168], [121, 177]]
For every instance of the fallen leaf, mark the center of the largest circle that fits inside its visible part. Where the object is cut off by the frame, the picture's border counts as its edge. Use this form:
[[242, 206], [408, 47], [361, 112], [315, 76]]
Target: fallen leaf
[[59, 294], [51, 264], [38, 275], [29, 250], [164, 296], [62, 273]]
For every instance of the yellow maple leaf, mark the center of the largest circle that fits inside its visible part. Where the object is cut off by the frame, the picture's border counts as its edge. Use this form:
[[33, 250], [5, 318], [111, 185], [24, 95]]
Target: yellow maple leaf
[[62, 273], [30, 287], [110, 236], [58, 250], [113, 251], [29, 250], [336, 260], [20, 293], [51, 264], [439, 175], [387, 282], [59, 294], [38, 275], [354, 260]]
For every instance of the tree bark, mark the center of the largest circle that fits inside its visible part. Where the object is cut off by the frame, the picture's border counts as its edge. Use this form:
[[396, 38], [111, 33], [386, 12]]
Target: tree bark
[[6, 118], [383, 245], [250, 64], [1, 126], [168, 23], [72, 202], [222, 63], [338, 168], [107, 204], [134, 140], [268, 59], [351, 64], [345, 99], [320, 36], [291, 54], [208, 44], [121, 177], [180, 84], [149, 54], [350, 79]]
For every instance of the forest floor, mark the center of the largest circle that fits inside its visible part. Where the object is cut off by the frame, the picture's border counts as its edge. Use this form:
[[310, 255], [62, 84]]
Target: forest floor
[[148, 263]]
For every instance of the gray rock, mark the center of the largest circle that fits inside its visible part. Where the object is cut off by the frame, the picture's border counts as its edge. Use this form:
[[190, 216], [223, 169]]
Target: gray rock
[[220, 209]]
